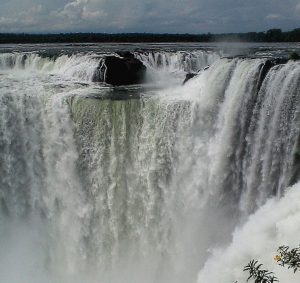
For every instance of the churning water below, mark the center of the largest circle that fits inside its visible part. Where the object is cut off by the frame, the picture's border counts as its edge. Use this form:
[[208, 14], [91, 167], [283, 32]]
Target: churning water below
[[175, 183]]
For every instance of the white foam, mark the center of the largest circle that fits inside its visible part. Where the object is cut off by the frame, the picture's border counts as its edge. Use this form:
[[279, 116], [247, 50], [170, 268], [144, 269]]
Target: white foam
[[274, 224]]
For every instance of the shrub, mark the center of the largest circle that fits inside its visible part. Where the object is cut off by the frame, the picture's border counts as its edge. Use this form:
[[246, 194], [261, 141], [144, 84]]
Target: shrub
[[289, 257], [258, 274], [285, 257]]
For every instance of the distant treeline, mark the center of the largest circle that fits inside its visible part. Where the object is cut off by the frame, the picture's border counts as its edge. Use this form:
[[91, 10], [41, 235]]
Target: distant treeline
[[272, 35]]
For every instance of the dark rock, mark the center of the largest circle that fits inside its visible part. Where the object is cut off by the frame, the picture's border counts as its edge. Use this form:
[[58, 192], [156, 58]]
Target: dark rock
[[125, 54], [191, 75], [188, 77], [266, 68], [24, 58], [263, 72], [295, 56], [280, 60], [121, 71]]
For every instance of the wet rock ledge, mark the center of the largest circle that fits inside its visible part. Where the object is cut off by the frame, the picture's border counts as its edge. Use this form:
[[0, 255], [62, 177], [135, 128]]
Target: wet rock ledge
[[123, 70]]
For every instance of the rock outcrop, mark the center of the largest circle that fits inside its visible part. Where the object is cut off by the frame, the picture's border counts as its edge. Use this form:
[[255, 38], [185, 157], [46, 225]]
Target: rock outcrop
[[125, 70], [188, 76]]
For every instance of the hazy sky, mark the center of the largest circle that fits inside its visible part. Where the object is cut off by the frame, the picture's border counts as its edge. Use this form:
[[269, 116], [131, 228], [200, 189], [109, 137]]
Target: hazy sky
[[174, 16]]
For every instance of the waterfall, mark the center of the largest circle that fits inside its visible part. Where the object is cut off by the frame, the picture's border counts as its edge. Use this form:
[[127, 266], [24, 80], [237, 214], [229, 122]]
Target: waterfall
[[165, 66], [275, 223], [181, 60], [143, 190], [83, 66], [76, 66]]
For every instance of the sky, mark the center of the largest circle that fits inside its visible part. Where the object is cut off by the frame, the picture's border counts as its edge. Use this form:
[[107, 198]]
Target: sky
[[157, 16]]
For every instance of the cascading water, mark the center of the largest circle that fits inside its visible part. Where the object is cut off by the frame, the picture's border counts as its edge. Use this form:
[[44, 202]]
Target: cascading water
[[145, 190], [165, 67], [177, 61], [77, 66]]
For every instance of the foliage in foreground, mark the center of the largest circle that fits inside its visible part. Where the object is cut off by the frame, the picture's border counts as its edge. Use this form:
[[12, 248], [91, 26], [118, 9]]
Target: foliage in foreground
[[258, 274], [289, 257], [285, 257]]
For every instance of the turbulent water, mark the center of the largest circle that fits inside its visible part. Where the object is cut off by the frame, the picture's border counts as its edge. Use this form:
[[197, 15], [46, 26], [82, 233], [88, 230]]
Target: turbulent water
[[161, 182]]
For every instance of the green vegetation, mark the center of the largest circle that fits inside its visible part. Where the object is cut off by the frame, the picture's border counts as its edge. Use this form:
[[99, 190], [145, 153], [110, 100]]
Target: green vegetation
[[286, 257], [258, 274], [289, 257], [272, 35]]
